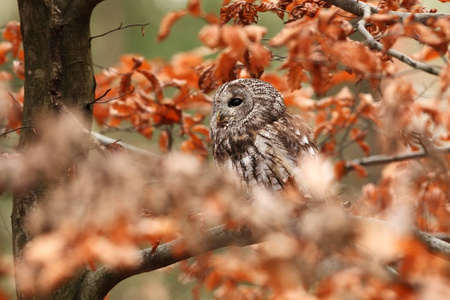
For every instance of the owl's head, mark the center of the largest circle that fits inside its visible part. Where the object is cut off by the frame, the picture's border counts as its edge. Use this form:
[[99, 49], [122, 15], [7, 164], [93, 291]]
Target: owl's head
[[246, 101]]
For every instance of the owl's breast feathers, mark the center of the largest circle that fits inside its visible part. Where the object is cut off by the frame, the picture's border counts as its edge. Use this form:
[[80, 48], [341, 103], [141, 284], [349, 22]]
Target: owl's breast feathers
[[268, 155]]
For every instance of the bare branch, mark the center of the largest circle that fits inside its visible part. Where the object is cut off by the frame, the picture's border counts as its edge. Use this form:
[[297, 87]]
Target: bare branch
[[361, 25], [107, 140], [102, 96], [119, 28], [385, 159], [97, 284], [358, 7], [109, 100], [13, 130]]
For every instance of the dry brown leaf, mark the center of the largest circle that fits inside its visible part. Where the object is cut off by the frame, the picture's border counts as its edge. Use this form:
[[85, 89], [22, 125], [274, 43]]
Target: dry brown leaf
[[356, 56], [156, 83], [163, 141], [168, 21], [391, 35], [235, 38], [210, 35], [194, 7], [224, 70]]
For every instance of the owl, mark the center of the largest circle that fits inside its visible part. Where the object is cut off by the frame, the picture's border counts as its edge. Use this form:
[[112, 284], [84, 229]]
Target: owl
[[255, 136]]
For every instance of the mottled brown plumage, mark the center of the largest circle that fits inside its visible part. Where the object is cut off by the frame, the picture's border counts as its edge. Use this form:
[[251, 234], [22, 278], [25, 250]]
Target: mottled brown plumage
[[254, 135]]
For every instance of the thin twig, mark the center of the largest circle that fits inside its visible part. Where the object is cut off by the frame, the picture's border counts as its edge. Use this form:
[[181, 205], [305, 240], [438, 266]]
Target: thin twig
[[13, 130], [361, 25], [114, 98], [107, 140], [104, 94], [385, 159], [119, 28]]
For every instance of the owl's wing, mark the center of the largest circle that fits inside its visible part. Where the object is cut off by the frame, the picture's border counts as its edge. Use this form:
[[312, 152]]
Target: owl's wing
[[309, 175], [301, 136]]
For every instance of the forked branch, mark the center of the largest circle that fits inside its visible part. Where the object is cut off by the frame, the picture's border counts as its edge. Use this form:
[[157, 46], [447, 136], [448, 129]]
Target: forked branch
[[373, 44], [98, 283], [119, 28]]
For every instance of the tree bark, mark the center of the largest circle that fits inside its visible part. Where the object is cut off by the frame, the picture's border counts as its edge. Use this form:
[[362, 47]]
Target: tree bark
[[58, 71]]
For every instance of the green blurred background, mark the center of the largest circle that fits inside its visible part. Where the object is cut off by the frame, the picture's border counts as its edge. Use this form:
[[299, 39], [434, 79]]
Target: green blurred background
[[106, 52]]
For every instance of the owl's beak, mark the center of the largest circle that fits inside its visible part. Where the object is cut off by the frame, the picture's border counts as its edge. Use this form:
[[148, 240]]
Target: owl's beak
[[221, 120]]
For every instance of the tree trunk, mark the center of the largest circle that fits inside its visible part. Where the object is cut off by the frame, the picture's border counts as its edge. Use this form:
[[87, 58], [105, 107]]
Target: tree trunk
[[58, 71]]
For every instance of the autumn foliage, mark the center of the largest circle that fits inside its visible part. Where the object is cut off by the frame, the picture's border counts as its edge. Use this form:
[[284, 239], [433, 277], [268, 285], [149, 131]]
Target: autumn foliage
[[361, 103]]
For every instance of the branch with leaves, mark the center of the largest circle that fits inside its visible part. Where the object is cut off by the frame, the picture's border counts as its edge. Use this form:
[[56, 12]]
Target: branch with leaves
[[361, 25], [97, 284], [360, 9]]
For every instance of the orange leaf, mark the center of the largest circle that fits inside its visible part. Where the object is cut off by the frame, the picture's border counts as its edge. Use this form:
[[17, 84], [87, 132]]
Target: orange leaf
[[339, 169], [114, 122], [202, 129], [295, 74], [101, 113], [194, 7], [235, 38], [137, 62], [207, 80], [12, 34], [167, 23], [5, 47], [426, 53], [259, 57], [146, 131], [125, 85], [224, 70], [213, 280], [243, 13], [360, 170], [210, 35], [163, 141], [364, 146], [391, 36], [255, 33], [130, 62], [356, 56], [436, 39], [156, 83]]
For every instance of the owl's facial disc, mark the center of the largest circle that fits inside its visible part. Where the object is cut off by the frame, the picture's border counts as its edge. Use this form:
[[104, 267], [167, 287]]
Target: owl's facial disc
[[233, 104]]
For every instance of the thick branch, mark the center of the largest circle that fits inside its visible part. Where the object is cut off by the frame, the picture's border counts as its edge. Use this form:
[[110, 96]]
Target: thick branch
[[58, 70], [97, 284], [385, 159], [358, 7]]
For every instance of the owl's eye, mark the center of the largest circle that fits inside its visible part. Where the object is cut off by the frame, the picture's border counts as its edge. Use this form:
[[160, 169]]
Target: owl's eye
[[234, 102]]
